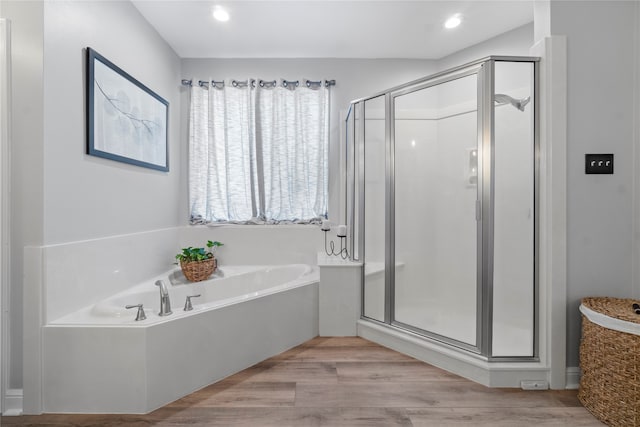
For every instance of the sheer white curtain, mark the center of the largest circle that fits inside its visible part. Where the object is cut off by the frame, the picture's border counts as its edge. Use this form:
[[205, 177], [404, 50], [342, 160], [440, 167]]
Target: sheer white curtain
[[258, 154]]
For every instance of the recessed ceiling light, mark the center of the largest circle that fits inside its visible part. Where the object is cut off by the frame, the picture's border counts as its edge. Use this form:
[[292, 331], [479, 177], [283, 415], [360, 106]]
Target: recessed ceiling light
[[220, 14], [453, 22]]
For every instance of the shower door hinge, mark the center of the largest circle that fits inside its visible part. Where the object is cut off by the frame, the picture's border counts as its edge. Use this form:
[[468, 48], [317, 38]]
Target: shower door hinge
[[478, 211]]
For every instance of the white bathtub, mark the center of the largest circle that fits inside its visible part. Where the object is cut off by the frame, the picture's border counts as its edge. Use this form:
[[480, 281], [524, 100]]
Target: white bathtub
[[229, 285], [100, 360]]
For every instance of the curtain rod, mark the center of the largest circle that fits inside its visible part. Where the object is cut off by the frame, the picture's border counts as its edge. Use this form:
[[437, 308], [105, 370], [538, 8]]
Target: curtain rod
[[262, 83]]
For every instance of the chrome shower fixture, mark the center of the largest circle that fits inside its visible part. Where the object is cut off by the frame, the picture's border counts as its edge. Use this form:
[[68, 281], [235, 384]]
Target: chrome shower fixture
[[503, 99]]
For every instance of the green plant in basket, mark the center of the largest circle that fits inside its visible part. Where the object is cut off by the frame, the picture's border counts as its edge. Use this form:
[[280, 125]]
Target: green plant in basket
[[198, 263], [198, 254]]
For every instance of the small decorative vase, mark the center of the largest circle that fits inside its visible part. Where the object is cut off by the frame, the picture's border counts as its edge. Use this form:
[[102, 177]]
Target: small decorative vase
[[197, 271]]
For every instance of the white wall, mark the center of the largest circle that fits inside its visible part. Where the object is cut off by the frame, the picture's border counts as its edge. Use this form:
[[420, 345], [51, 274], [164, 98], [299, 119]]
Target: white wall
[[258, 245], [602, 46], [512, 43], [636, 177], [59, 194], [88, 197], [26, 199]]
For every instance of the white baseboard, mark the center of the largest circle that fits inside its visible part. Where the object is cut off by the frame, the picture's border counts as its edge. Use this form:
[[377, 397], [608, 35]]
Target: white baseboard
[[573, 377], [12, 402]]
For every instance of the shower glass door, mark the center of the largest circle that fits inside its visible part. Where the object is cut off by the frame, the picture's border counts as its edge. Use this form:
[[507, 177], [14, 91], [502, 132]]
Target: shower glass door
[[374, 154], [436, 193], [513, 312], [446, 207]]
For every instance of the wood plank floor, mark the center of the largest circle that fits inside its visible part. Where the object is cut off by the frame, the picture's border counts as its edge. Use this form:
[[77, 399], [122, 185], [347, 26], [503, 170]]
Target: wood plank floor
[[345, 382]]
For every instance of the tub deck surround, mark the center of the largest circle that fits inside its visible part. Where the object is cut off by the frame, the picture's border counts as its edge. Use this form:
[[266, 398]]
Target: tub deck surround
[[60, 279], [63, 280], [259, 244], [340, 295], [100, 360], [74, 275], [79, 274]]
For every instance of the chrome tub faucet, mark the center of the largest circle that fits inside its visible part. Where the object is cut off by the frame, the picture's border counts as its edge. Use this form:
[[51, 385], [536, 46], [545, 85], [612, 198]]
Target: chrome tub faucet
[[165, 303]]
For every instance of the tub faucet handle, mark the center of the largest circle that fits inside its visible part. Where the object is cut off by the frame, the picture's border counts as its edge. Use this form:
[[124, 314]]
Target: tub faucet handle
[[187, 303], [140, 315]]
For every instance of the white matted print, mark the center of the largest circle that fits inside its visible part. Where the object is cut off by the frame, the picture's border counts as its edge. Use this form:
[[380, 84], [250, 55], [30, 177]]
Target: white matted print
[[126, 121]]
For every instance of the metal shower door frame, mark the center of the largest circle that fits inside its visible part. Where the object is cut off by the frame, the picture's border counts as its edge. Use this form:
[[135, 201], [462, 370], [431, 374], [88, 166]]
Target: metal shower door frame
[[390, 282], [485, 71]]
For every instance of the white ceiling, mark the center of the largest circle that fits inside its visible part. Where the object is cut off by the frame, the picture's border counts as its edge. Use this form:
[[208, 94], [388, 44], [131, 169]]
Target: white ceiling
[[330, 28]]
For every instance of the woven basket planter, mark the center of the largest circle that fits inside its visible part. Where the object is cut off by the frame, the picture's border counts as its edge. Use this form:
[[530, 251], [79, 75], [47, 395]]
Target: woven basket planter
[[610, 361], [197, 271]]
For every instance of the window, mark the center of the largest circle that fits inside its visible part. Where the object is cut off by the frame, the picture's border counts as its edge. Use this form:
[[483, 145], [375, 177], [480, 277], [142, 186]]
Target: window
[[258, 152]]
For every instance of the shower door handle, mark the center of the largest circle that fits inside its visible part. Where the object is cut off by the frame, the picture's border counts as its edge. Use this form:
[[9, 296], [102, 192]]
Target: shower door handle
[[478, 211]]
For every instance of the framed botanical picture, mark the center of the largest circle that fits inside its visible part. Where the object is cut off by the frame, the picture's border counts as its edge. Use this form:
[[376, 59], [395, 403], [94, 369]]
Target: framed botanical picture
[[126, 121]]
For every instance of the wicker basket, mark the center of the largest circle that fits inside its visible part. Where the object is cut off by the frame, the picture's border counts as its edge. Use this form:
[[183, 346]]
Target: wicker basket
[[610, 361], [197, 271]]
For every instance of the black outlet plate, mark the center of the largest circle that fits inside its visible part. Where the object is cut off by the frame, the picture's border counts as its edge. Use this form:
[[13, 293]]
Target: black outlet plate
[[598, 163]]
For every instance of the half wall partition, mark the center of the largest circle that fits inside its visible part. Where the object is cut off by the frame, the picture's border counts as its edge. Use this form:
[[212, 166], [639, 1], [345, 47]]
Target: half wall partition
[[442, 202]]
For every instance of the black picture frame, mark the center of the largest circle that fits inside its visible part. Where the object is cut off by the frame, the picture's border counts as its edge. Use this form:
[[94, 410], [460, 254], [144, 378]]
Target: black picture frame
[[126, 121]]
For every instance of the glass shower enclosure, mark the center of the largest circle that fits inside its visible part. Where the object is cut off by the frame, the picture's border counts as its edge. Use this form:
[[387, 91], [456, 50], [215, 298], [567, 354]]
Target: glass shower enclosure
[[442, 201]]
